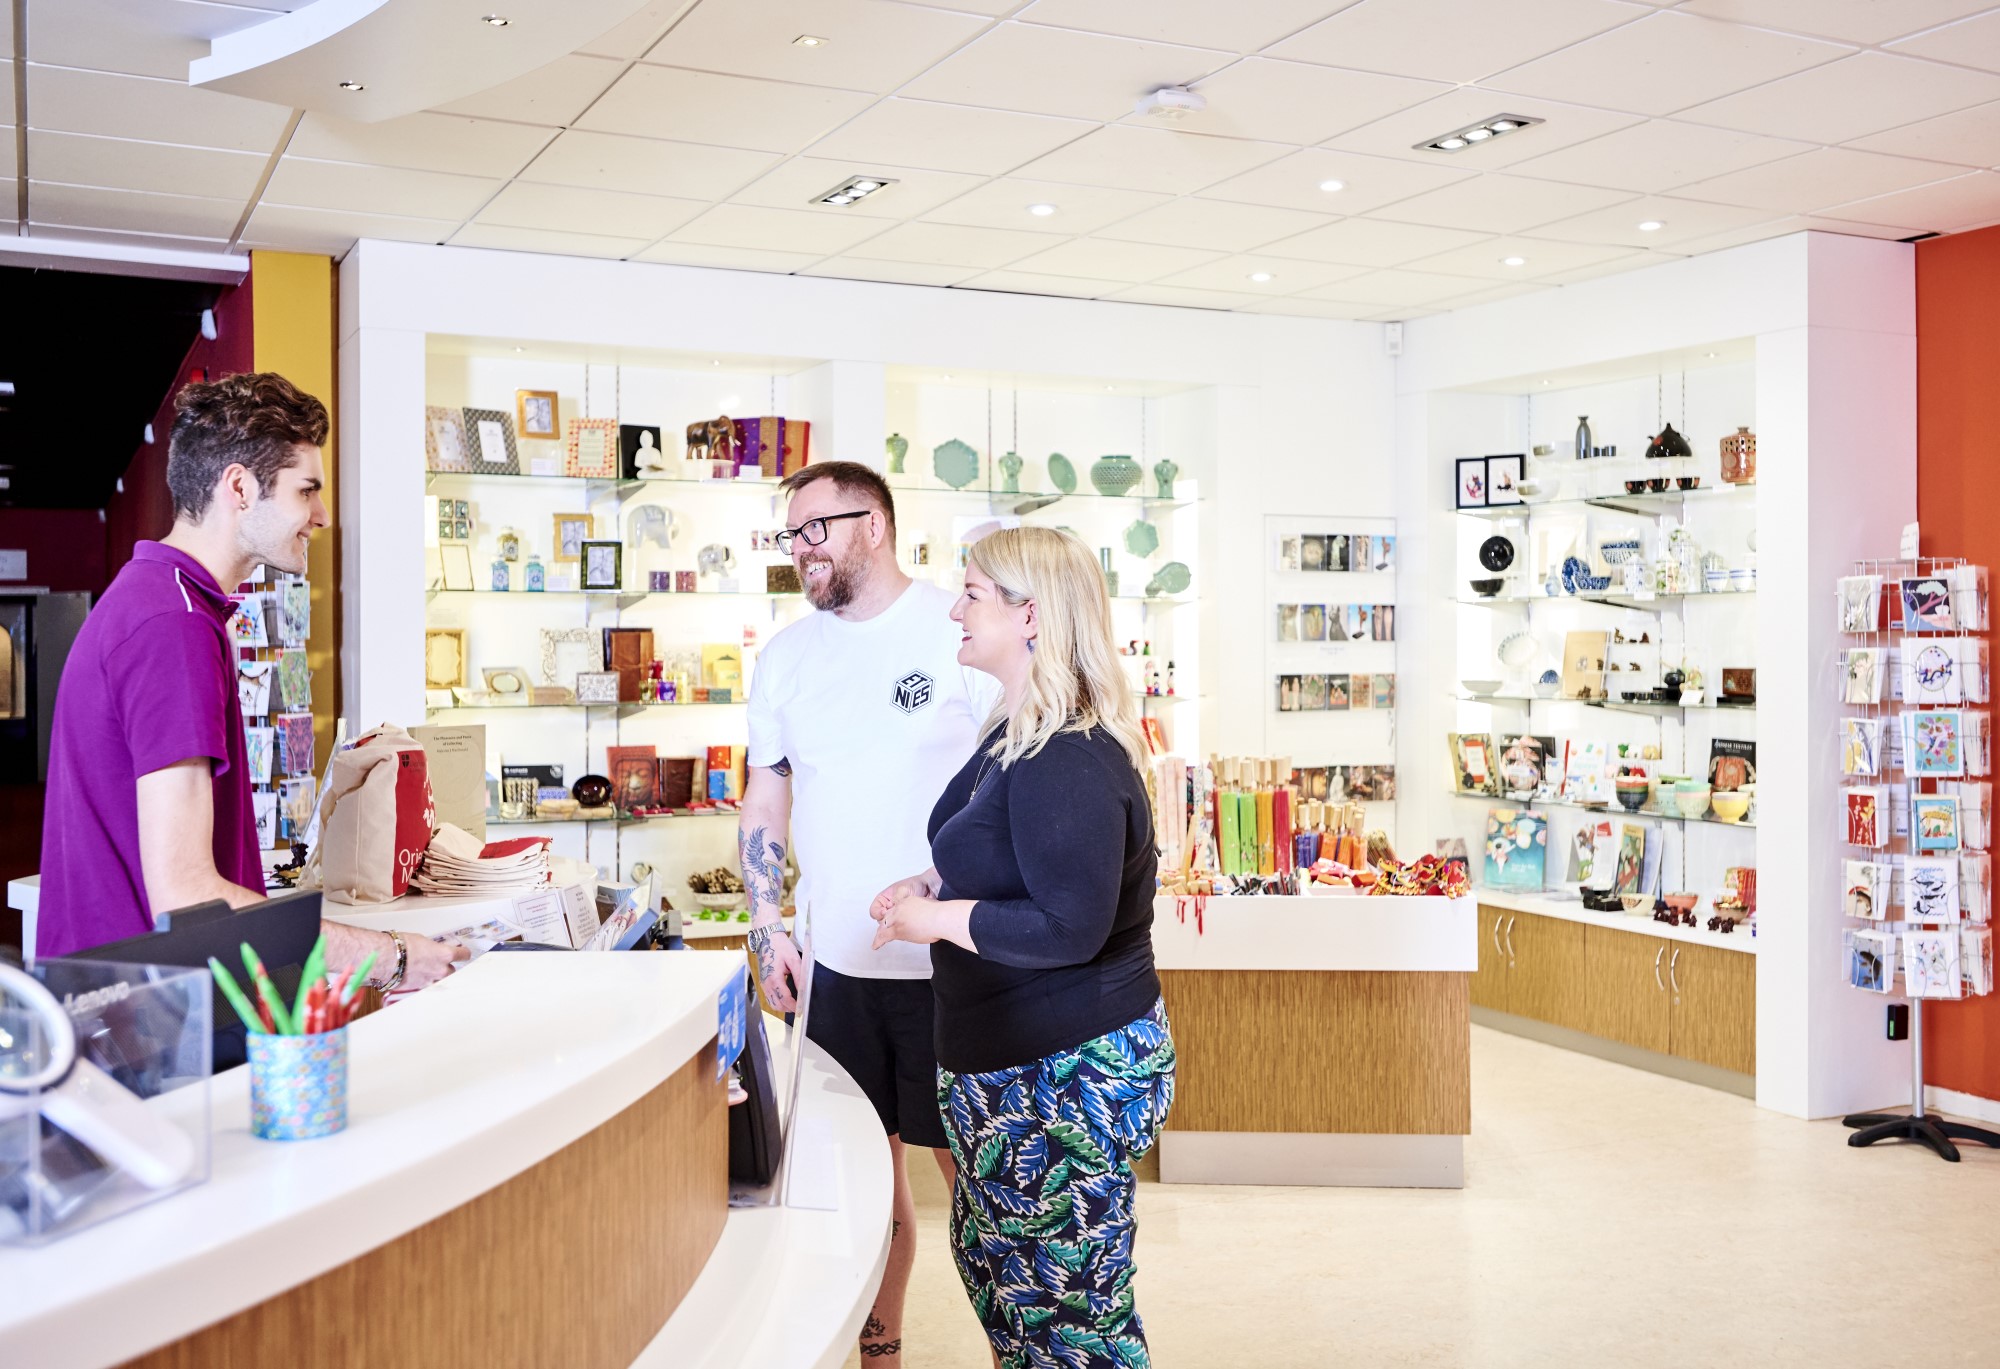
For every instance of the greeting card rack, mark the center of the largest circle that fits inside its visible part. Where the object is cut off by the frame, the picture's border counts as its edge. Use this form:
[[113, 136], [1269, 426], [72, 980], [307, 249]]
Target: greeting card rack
[[1912, 673]]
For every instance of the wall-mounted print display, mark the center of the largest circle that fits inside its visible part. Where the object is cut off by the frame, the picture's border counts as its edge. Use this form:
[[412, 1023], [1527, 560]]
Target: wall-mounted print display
[[1503, 479], [591, 451], [602, 568], [1312, 622], [539, 413], [572, 530], [444, 440], [489, 436], [1471, 482], [1312, 552]]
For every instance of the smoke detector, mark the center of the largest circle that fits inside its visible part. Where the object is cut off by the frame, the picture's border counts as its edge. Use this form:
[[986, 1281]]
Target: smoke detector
[[1170, 102]]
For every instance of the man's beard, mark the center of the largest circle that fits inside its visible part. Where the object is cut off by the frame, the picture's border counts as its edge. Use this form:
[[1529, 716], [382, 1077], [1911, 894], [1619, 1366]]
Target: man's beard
[[837, 590]]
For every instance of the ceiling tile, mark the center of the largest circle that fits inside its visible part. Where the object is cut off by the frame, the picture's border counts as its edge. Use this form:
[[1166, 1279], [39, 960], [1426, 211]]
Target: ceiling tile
[[1003, 203], [1973, 43], [1665, 62], [1969, 137], [1400, 134], [1215, 224], [1288, 277], [150, 241], [614, 161], [1392, 288], [1297, 102], [1199, 23], [795, 183], [1540, 258], [989, 8], [1864, 94], [1370, 242], [1943, 207], [8, 169], [1029, 283], [870, 45], [1784, 226], [891, 272], [1500, 204], [1491, 294], [1658, 155], [776, 230], [1814, 180], [943, 244], [332, 232], [1680, 221], [135, 37], [944, 137], [543, 240], [156, 111], [724, 111], [636, 35], [1618, 266], [574, 209], [1852, 21], [378, 189], [421, 142], [1366, 182], [130, 210], [115, 163], [1297, 306], [1181, 297], [1151, 159], [731, 258], [552, 96], [1403, 313], [1130, 262], [1449, 40], [1057, 71]]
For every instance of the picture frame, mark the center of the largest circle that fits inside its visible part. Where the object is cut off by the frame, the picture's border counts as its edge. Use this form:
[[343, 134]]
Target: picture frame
[[640, 448], [1503, 479], [572, 530], [444, 440], [1470, 491], [569, 652], [444, 657], [489, 440], [539, 413], [602, 564], [455, 563], [591, 449], [597, 687]]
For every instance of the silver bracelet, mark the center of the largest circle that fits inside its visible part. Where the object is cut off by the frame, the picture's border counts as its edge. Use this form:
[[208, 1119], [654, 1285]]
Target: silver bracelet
[[402, 964]]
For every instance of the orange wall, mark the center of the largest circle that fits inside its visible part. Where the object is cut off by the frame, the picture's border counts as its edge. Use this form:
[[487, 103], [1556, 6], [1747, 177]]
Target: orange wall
[[1958, 504]]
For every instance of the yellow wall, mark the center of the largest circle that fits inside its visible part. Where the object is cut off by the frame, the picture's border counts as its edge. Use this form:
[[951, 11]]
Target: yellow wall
[[293, 317]]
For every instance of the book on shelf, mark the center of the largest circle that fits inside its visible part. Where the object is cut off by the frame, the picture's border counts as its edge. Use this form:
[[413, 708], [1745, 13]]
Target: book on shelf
[[1631, 867], [1731, 764], [1472, 763], [635, 777], [1524, 761]]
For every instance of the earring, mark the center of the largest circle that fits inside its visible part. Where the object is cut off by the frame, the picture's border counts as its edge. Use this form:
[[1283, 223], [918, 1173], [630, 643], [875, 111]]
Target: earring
[[1031, 646]]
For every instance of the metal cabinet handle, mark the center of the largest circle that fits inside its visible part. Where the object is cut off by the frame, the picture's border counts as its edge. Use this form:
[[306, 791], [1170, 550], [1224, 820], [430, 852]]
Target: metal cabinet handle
[[1672, 978], [1496, 934], [1656, 968], [1510, 941]]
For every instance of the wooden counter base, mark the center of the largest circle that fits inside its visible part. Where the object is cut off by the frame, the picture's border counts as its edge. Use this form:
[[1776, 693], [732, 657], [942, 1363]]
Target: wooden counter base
[[578, 1261]]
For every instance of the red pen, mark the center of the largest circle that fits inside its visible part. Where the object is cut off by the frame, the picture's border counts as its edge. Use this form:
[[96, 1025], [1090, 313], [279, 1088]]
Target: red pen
[[264, 1016], [336, 1012], [316, 1009]]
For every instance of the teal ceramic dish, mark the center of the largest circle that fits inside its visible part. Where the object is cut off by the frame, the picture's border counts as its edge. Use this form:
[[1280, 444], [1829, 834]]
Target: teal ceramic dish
[[1062, 474], [956, 464]]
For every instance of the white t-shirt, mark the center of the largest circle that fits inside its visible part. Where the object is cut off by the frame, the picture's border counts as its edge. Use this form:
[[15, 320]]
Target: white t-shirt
[[875, 718]]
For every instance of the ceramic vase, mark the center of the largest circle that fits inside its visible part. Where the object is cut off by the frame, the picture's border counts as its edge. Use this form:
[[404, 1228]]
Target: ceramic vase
[[1010, 474], [1739, 457], [1163, 477], [1583, 437], [898, 447], [535, 575], [1114, 475], [500, 577]]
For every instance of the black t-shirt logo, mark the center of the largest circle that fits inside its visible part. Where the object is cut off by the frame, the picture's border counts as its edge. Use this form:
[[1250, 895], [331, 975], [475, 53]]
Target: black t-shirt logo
[[913, 691]]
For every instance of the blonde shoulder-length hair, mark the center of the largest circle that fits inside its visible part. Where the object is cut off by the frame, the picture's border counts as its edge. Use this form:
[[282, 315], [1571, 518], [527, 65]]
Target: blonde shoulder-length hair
[[1075, 683]]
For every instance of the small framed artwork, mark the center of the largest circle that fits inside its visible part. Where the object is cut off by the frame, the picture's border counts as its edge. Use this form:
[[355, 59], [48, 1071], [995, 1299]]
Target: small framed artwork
[[572, 530], [444, 657], [507, 681], [455, 563], [597, 687], [602, 568], [539, 413], [1471, 482], [444, 440], [489, 436], [592, 450], [639, 451], [1503, 480]]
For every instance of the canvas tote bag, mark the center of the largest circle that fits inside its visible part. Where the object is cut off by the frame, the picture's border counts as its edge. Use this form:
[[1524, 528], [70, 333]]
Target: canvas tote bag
[[377, 819]]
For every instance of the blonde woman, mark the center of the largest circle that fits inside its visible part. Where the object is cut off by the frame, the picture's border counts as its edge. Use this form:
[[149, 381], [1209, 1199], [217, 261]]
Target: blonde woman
[[1055, 1066]]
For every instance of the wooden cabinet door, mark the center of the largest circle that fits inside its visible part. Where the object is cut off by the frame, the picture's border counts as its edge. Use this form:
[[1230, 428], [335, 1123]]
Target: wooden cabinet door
[[1623, 998], [1489, 982], [1713, 1018], [1544, 969]]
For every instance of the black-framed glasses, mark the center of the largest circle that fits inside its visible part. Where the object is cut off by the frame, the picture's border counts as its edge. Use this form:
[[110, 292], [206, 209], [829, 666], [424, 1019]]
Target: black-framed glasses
[[813, 531]]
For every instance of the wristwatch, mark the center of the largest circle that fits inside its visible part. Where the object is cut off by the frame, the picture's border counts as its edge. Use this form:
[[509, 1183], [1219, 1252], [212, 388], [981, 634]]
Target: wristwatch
[[402, 964]]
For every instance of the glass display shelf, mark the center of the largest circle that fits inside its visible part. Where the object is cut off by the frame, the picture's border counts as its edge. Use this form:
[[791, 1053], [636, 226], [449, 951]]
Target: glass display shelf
[[1649, 503], [1167, 698], [622, 820], [1157, 600], [625, 487], [1609, 810], [630, 705], [1615, 705], [626, 593], [1607, 599], [1053, 497]]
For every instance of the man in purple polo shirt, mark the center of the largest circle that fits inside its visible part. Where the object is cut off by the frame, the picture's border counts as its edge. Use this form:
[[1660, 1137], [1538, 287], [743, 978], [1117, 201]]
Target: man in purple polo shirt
[[149, 804]]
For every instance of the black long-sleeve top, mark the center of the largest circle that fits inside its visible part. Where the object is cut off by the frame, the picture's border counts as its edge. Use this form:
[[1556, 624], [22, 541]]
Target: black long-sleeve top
[[1057, 851]]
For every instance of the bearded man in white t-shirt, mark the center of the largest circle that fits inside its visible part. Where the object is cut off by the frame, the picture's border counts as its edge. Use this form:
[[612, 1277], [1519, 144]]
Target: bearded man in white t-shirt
[[859, 715]]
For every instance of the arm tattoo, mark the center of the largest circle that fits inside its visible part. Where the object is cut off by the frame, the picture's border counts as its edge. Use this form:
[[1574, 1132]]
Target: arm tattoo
[[782, 767], [763, 870]]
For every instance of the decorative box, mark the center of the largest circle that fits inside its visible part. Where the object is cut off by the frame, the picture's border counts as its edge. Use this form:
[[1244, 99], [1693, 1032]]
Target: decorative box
[[686, 581], [660, 581]]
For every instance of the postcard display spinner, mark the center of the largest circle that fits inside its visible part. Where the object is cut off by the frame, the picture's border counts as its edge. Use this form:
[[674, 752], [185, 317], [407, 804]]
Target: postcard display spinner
[[274, 688], [1916, 807]]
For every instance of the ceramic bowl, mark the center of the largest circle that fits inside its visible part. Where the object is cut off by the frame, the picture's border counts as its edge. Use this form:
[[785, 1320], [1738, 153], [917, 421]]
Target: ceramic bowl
[[1657, 483], [1730, 806], [1716, 580], [1691, 803], [1592, 584], [1687, 482], [1528, 489], [1742, 579], [1635, 487], [1632, 793], [1487, 588], [1634, 903], [1546, 689], [1681, 903], [1481, 687]]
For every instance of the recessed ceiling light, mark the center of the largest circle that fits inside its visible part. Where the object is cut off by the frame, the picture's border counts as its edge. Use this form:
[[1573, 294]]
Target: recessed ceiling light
[[520, 349], [1513, 261], [807, 40], [840, 199], [852, 189], [1460, 138], [352, 86], [1330, 186], [1478, 135], [1708, 354], [1451, 144], [498, 21], [715, 363], [1503, 125], [1652, 226], [1260, 276], [1110, 387], [1545, 382], [947, 377], [1041, 211]]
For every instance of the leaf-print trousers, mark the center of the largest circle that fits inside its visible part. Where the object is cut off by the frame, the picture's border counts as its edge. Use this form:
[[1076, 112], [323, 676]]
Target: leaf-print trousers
[[1041, 1216]]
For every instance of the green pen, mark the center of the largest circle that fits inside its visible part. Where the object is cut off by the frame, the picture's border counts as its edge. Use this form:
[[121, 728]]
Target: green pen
[[354, 982], [315, 967], [281, 1020], [227, 983]]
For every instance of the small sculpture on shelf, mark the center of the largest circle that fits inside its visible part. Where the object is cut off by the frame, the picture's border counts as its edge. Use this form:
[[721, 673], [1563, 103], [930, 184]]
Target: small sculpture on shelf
[[1163, 478], [1115, 475], [1668, 444], [898, 448], [1739, 457]]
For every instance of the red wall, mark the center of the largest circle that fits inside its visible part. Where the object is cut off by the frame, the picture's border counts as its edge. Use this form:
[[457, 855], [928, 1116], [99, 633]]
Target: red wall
[[1958, 504], [65, 547]]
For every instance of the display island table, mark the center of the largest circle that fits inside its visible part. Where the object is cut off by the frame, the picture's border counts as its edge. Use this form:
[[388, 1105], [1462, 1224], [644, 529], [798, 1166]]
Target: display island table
[[1321, 1039], [535, 1171]]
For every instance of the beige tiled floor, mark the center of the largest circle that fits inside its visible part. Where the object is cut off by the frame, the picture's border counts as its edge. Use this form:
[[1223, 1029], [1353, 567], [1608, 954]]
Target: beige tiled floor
[[1609, 1217]]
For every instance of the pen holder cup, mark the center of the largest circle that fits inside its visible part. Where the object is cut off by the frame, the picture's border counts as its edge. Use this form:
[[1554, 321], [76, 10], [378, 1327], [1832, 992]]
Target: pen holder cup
[[298, 1085]]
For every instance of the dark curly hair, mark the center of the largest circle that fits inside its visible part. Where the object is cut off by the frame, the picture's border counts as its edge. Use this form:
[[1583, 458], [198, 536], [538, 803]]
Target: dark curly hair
[[254, 421]]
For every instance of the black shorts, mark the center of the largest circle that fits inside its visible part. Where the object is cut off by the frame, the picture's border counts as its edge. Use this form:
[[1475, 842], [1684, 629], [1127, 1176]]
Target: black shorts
[[880, 1032]]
